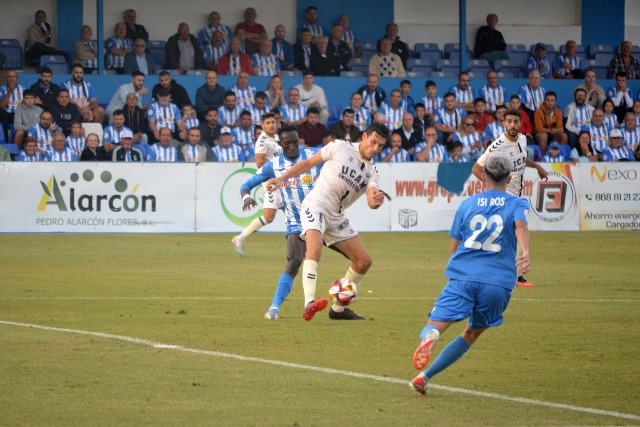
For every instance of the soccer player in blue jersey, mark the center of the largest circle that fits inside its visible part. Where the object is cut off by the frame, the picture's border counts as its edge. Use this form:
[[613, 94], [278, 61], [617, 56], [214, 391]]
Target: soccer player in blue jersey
[[482, 269], [293, 192]]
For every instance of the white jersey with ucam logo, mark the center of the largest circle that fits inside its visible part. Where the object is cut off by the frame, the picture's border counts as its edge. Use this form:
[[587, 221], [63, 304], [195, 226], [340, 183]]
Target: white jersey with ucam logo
[[517, 152], [345, 176], [268, 146]]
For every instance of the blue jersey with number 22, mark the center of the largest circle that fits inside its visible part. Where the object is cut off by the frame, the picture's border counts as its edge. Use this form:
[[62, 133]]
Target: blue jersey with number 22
[[485, 225]]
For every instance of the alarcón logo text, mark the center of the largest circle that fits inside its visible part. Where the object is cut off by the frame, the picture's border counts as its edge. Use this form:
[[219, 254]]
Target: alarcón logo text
[[53, 194]]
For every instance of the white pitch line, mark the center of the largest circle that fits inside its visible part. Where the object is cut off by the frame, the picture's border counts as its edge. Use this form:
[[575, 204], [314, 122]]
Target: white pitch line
[[325, 370]]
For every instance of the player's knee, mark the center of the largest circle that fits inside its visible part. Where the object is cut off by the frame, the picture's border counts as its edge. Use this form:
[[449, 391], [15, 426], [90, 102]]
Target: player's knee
[[363, 263], [293, 266], [269, 215]]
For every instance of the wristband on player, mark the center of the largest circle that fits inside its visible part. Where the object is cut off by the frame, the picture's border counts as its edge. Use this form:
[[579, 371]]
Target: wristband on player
[[245, 197]]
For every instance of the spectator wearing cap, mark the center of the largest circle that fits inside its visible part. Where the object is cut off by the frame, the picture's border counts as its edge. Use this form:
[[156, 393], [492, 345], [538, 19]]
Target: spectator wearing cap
[[616, 151], [163, 113], [538, 62], [194, 150], [226, 151], [553, 154], [126, 152]]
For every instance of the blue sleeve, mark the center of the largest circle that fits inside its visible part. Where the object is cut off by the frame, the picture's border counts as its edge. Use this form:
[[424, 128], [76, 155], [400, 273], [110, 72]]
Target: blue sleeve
[[606, 155], [456, 137], [557, 64], [202, 37], [262, 175], [106, 137], [522, 208], [151, 155], [530, 65]]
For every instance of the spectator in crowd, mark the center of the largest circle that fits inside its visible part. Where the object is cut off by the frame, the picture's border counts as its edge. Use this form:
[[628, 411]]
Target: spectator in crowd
[[135, 119], [362, 116], [64, 112], [215, 50], [598, 132], [205, 35], [349, 37], [610, 119], [229, 112], [28, 155], [189, 117], [493, 93], [464, 92], [182, 51], [312, 25], [76, 140], [386, 63], [94, 152], [226, 151], [568, 66], [538, 62], [583, 152], [595, 92], [258, 108], [59, 151], [393, 111], [407, 100], [373, 96], [194, 150], [118, 47], [616, 151], [455, 155], [178, 93], [11, 95], [313, 95], [312, 131], [345, 128], [481, 117], [275, 92], [429, 150], [165, 150], [245, 45], [494, 130], [432, 102], [84, 96], [526, 128], [119, 98], [235, 61], [282, 49], [471, 140], [26, 115], [254, 31], [409, 136], [265, 63], [85, 50], [490, 44], [324, 63], [243, 135], [44, 90], [113, 134], [380, 118], [209, 95], [41, 40], [338, 47], [395, 153], [134, 30], [532, 94], [621, 95], [304, 50], [398, 47], [5, 156], [547, 123], [578, 114], [43, 132], [624, 62], [125, 151], [636, 111], [245, 93], [447, 120], [294, 113], [553, 154], [165, 114], [631, 133], [139, 59], [420, 121], [209, 128]]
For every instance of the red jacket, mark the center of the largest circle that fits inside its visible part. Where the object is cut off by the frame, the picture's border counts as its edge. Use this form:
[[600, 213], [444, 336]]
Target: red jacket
[[526, 127], [225, 63]]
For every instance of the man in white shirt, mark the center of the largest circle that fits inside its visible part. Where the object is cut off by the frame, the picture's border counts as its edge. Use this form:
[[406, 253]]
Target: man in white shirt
[[312, 95]]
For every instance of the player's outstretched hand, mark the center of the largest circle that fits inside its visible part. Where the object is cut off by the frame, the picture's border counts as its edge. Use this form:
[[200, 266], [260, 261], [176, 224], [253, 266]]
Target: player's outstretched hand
[[273, 184], [375, 198], [248, 204], [523, 262], [542, 173]]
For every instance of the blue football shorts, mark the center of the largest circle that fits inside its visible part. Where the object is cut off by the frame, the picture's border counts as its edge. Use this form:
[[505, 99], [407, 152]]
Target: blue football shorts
[[482, 303]]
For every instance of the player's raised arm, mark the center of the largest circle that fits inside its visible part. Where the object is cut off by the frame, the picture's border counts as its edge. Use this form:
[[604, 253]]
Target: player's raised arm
[[297, 169], [541, 172]]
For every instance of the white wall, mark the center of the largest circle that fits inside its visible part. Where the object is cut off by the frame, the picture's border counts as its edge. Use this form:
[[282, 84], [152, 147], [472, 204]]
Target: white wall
[[632, 21]]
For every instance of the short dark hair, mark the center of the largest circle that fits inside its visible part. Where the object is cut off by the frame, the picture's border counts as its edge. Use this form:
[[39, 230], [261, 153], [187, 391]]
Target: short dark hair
[[551, 93], [378, 128], [419, 105], [117, 113], [261, 95], [312, 8], [46, 70], [63, 89], [137, 74], [429, 83], [475, 101], [348, 110], [307, 72], [513, 97], [28, 92], [229, 93], [405, 82], [449, 94], [269, 115], [245, 113], [287, 128], [513, 112], [164, 73], [621, 74], [579, 89], [313, 110], [76, 65]]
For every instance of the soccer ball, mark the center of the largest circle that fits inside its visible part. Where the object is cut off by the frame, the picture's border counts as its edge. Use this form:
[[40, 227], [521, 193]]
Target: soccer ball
[[343, 291]]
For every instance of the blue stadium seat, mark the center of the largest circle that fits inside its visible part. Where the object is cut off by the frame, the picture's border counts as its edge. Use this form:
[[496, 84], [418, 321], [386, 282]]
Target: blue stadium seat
[[604, 56], [2, 140], [422, 47], [451, 50], [519, 57], [334, 114], [442, 74], [12, 148], [421, 72], [440, 63], [507, 74], [351, 74], [368, 50], [57, 63], [417, 62], [12, 51], [599, 48], [357, 61], [508, 66], [363, 68], [479, 67], [430, 55], [156, 49], [198, 72], [565, 150]]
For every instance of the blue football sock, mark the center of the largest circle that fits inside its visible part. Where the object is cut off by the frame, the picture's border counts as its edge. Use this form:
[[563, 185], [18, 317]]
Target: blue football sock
[[448, 356], [282, 291], [426, 330]]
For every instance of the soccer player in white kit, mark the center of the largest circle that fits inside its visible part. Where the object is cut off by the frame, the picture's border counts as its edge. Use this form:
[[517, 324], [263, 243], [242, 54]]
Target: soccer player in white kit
[[267, 147], [348, 173], [514, 145]]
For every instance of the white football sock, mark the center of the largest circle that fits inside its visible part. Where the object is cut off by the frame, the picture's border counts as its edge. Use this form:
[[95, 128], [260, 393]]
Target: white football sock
[[255, 225], [353, 276], [309, 277]]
